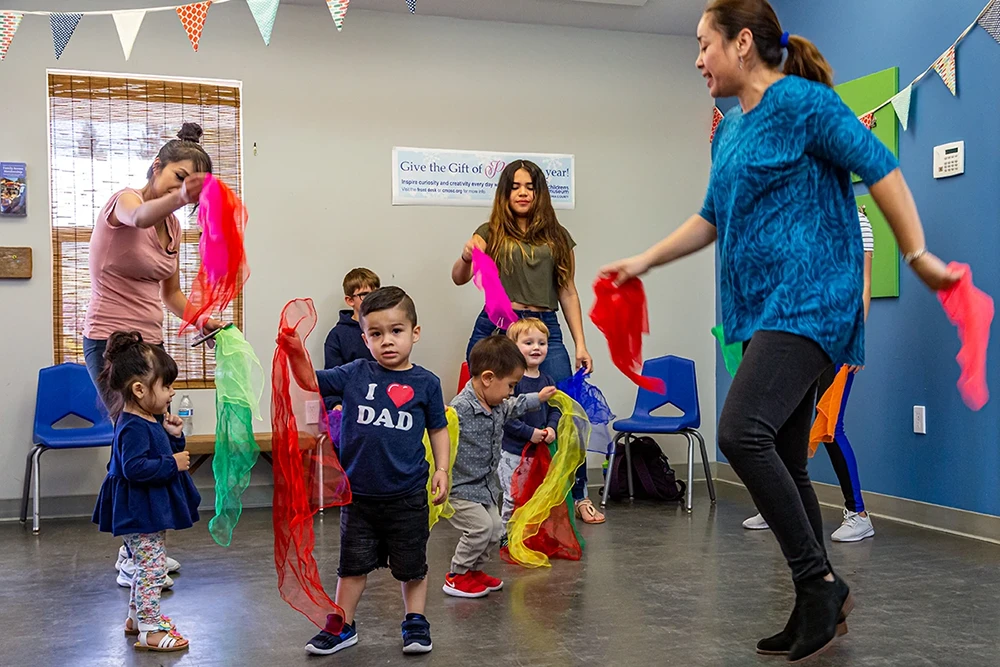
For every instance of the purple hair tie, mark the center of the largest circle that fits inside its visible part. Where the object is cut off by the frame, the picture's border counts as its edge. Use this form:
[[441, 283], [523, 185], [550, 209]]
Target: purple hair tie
[[784, 40]]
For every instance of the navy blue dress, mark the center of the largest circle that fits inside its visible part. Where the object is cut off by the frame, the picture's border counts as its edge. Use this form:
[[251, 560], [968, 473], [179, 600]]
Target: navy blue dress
[[143, 491], [781, 198]]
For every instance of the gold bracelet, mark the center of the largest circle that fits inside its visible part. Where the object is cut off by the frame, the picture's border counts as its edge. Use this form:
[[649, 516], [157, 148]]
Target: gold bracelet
[[911, 257], [442, 470]]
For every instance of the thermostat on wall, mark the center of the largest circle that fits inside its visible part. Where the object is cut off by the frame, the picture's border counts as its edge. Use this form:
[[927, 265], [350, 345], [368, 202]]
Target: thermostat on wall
[[949, 159]]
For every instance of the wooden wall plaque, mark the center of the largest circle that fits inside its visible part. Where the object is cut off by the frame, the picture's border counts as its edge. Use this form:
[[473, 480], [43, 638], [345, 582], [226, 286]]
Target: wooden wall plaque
[[15, 263]]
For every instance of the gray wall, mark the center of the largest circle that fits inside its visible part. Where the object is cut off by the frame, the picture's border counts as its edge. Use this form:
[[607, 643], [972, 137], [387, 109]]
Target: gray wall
[[325, 110]]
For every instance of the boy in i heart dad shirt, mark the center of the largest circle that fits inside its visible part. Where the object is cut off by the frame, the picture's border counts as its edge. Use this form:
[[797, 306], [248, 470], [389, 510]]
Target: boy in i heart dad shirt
[[387, 403]]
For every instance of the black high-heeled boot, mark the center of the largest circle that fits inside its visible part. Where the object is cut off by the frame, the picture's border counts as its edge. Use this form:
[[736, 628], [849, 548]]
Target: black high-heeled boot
[[781, 643], [820, 604]]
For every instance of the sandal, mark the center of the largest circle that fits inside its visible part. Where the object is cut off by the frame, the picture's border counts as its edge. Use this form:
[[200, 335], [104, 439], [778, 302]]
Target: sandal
[[170, 641], [587, 513], [132, 623]]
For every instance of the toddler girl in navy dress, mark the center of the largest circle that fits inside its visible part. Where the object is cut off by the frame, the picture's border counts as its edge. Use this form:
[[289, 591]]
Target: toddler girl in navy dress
[[147, 490]]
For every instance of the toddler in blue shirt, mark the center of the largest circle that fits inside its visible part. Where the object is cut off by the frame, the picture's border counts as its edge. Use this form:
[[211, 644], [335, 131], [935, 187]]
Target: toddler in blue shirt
[[147, 490], [387, 404]]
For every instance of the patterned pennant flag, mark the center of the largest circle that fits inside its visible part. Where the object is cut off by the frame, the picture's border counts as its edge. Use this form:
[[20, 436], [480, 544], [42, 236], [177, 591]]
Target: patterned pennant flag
[[63, 26], [990, 20], [338, 10], [128, 23], [945, 67], [716, 119], [868, 120], [901, 104], [264, 12], [8, 26], [412, 4], [193, 19]]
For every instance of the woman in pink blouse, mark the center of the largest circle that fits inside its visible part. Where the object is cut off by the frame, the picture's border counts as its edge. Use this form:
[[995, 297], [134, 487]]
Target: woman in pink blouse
[[134, 263]]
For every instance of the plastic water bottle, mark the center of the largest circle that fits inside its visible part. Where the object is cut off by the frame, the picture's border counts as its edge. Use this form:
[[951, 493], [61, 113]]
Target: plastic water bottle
[[186, 413]]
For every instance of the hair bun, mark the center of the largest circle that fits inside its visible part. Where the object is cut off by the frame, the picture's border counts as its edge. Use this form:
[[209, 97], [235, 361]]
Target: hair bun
[[190, 132], [120, 341]]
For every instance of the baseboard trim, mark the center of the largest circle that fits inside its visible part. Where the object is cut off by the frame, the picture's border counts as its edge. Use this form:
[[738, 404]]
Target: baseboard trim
[[961, 523], [73, 507]]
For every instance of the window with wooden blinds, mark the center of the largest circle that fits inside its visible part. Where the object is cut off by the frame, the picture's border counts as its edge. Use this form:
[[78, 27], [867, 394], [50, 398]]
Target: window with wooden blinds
[[104, 131]]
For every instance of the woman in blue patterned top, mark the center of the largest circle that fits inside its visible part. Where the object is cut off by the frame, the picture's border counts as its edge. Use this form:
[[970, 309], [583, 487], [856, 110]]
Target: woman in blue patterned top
[[781, 205]]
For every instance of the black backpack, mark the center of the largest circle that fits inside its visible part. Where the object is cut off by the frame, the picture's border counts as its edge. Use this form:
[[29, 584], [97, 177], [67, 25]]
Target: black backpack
[[652, 476]]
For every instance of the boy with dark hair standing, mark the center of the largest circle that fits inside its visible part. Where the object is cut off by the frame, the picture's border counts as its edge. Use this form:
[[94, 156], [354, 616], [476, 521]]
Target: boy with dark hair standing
[[344, 343]]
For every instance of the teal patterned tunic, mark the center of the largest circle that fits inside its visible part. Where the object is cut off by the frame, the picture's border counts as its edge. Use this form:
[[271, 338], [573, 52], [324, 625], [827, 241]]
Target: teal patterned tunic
[[781, 198]]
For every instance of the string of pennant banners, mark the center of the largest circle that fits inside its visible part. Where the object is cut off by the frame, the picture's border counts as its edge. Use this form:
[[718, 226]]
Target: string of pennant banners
[[945, 66], [128, 21]]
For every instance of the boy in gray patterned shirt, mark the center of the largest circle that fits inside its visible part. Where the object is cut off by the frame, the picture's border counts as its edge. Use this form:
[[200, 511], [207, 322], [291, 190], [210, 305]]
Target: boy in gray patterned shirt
[[483, 406]]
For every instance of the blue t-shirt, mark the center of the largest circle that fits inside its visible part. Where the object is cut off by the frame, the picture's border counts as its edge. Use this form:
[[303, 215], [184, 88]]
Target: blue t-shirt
[[781, 198], [385, 415], [518, 431]]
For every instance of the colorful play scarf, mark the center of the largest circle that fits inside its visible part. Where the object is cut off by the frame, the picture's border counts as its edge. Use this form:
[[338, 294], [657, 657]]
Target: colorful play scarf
[[971, 310], [486, 276], [541, 526], [579, 388], [828, 412], [223, 271], [307, 473], [445, 509], [732, 353], [239, 384], [619, 312]]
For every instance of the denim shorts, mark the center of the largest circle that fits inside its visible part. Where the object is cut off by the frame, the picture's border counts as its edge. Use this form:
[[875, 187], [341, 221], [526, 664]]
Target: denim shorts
[[377, 533]]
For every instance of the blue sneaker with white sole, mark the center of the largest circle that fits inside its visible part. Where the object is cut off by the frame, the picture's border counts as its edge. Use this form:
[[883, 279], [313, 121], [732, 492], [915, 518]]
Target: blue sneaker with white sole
[[327, 643], [416, 634]]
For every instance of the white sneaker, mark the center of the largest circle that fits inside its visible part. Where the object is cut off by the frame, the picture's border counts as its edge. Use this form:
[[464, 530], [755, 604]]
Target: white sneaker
[[854, 529], [172, 565], [756, 523], [127, 571]]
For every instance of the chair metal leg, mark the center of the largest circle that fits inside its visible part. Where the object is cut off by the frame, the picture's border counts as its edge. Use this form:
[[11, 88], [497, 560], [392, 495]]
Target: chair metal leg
[[708, 466], [611, 467], [628, 465], [690, 479], [28, 468], [37, 490]]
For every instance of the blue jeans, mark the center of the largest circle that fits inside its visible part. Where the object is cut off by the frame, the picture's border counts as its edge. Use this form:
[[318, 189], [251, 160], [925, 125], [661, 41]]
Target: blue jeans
[[93, 354], [557, 364]]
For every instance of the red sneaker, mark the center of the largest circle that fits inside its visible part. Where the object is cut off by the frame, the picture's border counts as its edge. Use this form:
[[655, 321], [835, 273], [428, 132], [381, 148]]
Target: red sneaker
[[492, 584], [464, 586]]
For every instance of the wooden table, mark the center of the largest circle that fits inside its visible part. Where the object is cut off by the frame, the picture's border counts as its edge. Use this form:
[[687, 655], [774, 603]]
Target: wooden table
[[202, 447]]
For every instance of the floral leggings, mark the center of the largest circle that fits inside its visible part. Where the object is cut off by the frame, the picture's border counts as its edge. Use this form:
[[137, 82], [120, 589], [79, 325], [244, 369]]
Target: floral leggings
[[150, 558]]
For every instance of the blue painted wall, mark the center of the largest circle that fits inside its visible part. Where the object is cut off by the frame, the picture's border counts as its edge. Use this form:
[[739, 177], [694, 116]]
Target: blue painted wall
[[911, 347]]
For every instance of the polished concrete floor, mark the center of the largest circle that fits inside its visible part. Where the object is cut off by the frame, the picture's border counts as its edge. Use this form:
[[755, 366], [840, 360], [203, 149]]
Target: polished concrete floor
[[656, 587]]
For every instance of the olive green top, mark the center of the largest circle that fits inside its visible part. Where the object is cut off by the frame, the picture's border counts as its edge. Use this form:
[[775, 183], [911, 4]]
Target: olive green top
[[529, 277]]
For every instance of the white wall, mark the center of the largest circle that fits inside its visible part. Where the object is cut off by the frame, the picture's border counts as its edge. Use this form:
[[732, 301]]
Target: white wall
[[325, 109]]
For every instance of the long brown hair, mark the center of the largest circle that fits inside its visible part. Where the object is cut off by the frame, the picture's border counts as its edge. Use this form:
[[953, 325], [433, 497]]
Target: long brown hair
[[543, 226], [757, 16]]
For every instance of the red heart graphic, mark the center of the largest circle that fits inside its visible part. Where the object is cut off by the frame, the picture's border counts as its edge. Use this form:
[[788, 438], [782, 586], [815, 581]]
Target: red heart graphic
[[400, 394]]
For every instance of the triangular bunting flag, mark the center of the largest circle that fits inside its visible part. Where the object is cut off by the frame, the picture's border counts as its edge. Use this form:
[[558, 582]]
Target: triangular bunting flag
[[8, 26], [264, 12], [63, 26], [901, 104], [716, 119], [990, 20], [128, 23], [868, 120], [945, 66], [193, 19], [338, 10], [412, 4]]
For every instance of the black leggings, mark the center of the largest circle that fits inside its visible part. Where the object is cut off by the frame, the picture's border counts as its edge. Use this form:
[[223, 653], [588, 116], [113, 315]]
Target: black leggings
[[764, 432]]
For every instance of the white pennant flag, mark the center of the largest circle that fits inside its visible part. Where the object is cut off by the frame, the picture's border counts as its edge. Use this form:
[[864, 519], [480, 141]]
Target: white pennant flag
[[901, 105], [128, 23]]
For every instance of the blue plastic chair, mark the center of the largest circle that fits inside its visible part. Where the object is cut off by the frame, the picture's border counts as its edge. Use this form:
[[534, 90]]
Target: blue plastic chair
[[63, 390], [682, 392]]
